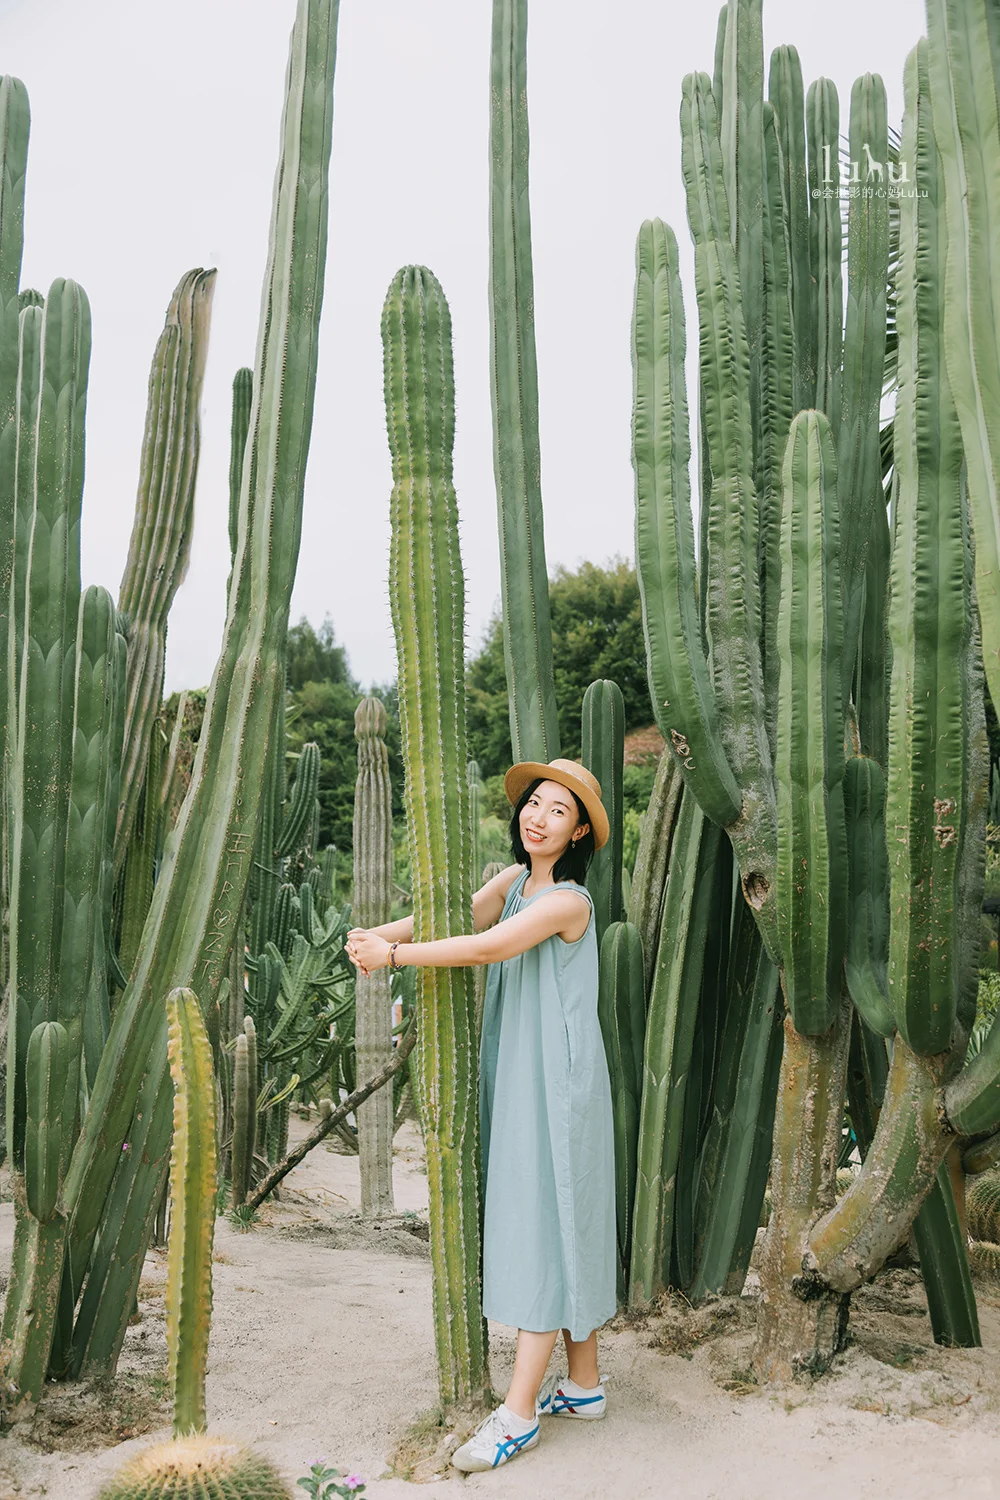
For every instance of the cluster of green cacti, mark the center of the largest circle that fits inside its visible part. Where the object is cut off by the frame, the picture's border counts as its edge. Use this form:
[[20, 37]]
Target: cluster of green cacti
[[87, 1183], [769, 672]]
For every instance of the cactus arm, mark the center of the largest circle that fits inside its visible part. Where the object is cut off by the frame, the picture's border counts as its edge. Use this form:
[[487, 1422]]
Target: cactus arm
[[603, 751], [777, 368], [86, 904], [192, 1216], [718, 72], [962, 65], [527, 631], [652, 858], [825, 241], [207, 857], [741, 138], [426, 587], [240, 426], [929, 618], [373, 870], [680, 686], [868, 887], [809, 764], [733, 612], [160, 545], [736, 1154], [43, 758], [138, 877], [858, 454], [47, 1123], [673, 1008], [621, 1009], [244, 1103], [29, 376], [944, 1265], [784, 90], [14, 130], [301, 799]]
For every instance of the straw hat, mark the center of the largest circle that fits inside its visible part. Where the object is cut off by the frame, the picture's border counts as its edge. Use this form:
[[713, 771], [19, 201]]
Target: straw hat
[[568, 773]]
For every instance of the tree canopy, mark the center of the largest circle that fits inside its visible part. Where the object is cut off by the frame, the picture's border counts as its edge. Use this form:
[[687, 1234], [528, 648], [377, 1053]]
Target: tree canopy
[[596, 632]]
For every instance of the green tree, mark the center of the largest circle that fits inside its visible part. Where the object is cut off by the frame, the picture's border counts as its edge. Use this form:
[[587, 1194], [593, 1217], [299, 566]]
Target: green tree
[[596, 632], [322, 697]]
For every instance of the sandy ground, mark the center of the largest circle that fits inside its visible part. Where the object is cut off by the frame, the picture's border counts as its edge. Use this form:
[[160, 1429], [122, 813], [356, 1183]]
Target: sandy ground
[[321, 1345]]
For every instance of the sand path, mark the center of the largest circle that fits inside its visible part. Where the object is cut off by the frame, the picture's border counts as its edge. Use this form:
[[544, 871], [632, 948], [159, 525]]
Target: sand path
[[321, 1345]]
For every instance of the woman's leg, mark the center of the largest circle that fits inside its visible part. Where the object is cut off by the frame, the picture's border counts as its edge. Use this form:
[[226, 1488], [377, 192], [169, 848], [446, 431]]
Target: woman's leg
[[533, 1353], [582, 1358]]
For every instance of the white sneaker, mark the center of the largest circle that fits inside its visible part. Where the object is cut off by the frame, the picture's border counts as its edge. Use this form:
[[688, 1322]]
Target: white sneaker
[[495, 1442], [562, 1397]]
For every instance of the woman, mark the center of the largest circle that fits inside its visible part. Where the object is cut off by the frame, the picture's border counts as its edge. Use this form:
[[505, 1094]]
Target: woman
[[544, 1099]]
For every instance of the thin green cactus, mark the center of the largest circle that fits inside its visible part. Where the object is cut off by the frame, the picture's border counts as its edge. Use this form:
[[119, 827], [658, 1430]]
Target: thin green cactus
[[373, 871], [621, 1009], [427, 591], [239, 428], [160, 545], [603, 752], [193, 1188], [527, 630]]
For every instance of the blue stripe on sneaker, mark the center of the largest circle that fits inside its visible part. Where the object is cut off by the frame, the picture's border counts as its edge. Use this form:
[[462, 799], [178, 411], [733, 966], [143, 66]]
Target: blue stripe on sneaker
[[512, 1445]]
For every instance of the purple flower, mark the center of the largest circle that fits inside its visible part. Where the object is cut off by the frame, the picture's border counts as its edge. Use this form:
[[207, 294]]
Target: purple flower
[[353, 1481], [125, 1146]]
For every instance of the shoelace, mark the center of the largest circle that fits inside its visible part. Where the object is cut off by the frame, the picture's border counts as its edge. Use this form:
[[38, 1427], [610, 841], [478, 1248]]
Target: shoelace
[[491, 1428]]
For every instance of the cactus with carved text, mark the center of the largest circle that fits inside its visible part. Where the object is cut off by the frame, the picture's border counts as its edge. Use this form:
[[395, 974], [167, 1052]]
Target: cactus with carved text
[[428, 601]]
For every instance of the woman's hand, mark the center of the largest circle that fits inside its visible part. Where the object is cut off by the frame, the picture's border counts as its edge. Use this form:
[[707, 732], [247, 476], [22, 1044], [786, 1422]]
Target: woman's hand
[[366, 950]]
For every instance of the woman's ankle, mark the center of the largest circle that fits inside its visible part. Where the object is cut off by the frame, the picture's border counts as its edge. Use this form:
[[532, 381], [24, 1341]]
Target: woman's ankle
[[587, 1379]]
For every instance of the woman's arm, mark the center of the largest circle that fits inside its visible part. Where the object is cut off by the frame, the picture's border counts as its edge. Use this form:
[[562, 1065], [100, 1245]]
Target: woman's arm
[[564, 912], [487, 904]]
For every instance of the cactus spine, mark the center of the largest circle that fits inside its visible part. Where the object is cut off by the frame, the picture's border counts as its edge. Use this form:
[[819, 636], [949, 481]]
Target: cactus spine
[[527, 630], [160, 545], [603, 744], [372, 908], [427, 591]]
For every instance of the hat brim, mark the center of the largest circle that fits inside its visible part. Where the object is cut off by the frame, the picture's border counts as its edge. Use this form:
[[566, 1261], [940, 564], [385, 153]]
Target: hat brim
[[520, 777]]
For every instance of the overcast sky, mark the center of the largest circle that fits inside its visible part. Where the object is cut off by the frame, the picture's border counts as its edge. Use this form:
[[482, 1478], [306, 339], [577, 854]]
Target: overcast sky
[[153, 148]]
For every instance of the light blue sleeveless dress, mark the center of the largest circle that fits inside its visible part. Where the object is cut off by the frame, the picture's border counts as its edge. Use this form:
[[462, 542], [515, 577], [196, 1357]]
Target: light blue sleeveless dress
[[547, 1136]]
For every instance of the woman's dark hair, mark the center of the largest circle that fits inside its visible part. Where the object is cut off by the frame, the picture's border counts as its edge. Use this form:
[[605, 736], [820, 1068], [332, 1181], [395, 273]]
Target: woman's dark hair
[[572, 864]]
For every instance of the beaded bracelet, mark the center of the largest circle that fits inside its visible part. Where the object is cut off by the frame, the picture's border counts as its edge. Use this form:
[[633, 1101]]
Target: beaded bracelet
[[393, 965]]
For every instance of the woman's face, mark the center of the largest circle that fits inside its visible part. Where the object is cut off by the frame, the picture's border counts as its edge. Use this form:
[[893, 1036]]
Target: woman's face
[[549, 820]]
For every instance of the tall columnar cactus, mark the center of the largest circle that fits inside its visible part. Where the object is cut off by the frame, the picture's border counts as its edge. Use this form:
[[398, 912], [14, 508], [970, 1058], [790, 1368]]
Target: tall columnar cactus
[[14, 129], [603, 746], [527, 630], [373, 907], [428, 602], [193, 1188], [109, 1197], [160, 545]]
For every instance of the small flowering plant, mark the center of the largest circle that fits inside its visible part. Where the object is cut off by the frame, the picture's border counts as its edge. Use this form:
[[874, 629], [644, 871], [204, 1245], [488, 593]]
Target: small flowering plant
[[322, 1483]]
